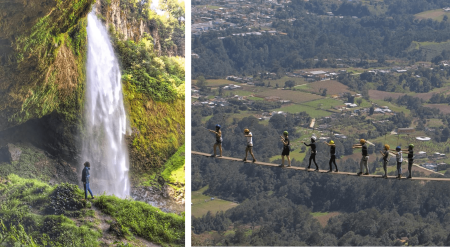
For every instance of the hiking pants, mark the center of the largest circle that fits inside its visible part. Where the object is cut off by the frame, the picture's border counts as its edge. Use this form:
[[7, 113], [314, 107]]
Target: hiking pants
[[313, 157], [333, 160], [410, 163], [363, 162], [385, 162], [399, 167]]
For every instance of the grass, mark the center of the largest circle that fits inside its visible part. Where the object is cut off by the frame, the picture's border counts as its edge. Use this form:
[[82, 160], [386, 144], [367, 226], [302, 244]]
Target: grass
[[393, 107], [144, 220], [432, 49], [436, 14], [294, 96], [317, 214], [324, 104], [174, 168], [201, 203], [293, 155], [39, 207], [208, 6], [312, 111]]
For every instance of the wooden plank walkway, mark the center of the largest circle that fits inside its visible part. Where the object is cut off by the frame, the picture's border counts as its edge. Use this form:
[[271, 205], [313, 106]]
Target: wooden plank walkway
[[320, 171]]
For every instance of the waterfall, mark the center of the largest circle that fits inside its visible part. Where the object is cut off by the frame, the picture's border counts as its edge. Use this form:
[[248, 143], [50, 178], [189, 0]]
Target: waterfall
[[103, 143]]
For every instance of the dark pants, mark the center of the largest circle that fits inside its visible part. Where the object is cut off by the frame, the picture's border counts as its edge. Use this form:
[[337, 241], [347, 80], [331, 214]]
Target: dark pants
[[86, 189], [385, 162], [333, 160], [410, 163], [313, 157]]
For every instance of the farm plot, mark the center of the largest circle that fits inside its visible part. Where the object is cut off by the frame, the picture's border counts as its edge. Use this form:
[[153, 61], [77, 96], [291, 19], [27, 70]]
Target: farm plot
[[442, 107], [294, 96], [332, 86]]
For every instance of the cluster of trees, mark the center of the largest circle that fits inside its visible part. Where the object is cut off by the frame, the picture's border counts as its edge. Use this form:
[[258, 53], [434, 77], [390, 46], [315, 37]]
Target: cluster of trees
[[311, 36], [279, 202], [421, 80]]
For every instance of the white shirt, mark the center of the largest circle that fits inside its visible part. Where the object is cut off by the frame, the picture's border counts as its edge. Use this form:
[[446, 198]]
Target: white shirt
[[249, 139], [399, 156]]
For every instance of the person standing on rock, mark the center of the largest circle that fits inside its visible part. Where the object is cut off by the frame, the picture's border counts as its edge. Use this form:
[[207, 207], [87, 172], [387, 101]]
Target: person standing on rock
[[85, 179]]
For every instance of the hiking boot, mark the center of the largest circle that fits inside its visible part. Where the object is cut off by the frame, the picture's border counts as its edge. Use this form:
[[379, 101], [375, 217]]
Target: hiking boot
[[244, 159], [336, 170], [282, 165], [213, 155], [317, 169], [409, 176], [219, 156], [288, 165], [366, 173], [254, 161], [329, 171], [359, 173], [309, 167]]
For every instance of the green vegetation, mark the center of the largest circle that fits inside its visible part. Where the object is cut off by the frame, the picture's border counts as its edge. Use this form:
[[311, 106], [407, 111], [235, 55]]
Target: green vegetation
[[33, 213], [174, 168], [317, 214], [144, 220], [202, 204], [34, 204], [56, 42], [25, 166]]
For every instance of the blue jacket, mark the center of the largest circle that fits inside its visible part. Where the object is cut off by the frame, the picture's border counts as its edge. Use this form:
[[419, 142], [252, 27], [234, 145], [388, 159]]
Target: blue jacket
[[85, 175]]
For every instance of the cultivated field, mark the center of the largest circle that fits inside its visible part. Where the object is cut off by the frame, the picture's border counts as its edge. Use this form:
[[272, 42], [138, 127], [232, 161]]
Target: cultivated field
[[332, 86], [442, 107], [201, 204], [294, 96], [381, 95]]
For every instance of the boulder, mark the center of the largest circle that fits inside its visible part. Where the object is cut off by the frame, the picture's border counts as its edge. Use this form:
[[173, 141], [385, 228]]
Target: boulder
[[10, 153]]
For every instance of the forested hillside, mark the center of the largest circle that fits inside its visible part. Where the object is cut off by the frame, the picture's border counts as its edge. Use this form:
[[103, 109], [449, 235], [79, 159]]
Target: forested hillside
[[305, 33], [276, 206]]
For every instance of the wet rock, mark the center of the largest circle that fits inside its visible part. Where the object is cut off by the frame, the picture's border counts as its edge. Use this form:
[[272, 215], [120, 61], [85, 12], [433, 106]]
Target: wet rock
[[116, 229], [10, 153], [64, 200], [153, 196]]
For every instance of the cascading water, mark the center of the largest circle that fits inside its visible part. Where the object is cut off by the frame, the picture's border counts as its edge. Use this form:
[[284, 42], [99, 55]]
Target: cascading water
[[105, 119]]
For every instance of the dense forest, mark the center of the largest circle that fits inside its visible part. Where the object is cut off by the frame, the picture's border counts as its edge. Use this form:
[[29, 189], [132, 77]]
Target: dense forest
[[275, 204], [313, 36]]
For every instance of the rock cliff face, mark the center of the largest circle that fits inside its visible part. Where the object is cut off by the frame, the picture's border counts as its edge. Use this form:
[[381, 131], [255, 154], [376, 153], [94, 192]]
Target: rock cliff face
[[41, 45], [130, 26]]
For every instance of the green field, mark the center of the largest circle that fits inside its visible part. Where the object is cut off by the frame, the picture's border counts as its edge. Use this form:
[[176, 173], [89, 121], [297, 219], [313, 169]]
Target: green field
[[393, 107], [317, 214], [324, 104], [201, 204], [208, 6], [293, 155], [312, 111], [432, 49], [435, 14]]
